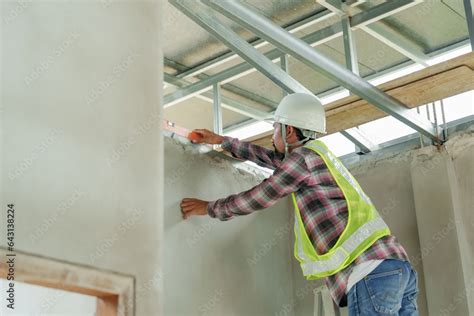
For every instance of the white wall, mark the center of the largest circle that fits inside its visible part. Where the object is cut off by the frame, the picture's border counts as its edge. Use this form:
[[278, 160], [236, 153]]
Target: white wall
[[81, 139]]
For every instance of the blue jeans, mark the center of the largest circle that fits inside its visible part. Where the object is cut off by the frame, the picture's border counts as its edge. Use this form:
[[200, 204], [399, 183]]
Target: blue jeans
[[390, 289]]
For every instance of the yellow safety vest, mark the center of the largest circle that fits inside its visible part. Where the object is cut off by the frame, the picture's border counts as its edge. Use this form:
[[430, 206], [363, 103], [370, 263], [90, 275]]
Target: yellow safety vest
[[364, 226]]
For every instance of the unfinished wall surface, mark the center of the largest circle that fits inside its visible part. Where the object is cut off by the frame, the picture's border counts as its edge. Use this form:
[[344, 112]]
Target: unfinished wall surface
[[236, 267], [211, 257], [463, 157], [426, 197], [388, 183], [81, 146], [444, 211], [207, 261]]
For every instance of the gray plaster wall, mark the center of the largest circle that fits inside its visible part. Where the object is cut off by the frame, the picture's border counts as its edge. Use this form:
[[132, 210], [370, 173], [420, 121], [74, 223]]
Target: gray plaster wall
[[426, 197], [417, 192], [442, 181], [463, 161], [388, 183], [81, 145], [213, 267]]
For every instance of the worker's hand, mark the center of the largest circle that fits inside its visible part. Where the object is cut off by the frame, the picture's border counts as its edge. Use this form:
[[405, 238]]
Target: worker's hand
[[207, 137], [191, 206]]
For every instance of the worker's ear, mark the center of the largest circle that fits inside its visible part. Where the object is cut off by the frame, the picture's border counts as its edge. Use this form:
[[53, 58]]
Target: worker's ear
[[290, 130]]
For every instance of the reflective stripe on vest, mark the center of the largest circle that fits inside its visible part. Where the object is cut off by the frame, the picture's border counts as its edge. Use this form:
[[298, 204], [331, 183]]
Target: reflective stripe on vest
[[360, 234], [342, 253]]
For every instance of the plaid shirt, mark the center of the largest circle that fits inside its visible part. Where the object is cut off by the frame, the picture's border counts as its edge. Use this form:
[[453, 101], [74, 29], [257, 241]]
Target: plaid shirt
[[321, 202]]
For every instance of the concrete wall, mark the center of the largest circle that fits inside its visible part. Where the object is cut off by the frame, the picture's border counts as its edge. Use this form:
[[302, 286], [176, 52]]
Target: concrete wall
[[426, 197], [442, 180], [405, 186], [81, 139], [388, 183], [236, 267], [464, 171]]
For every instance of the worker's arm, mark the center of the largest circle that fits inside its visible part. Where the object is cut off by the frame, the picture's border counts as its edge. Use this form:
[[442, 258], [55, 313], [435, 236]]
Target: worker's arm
[[287, 178], [246, 150], [241, 149]]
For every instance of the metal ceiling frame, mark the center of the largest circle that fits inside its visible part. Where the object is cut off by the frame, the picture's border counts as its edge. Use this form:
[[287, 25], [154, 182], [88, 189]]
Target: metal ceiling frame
[[294, 27], [227, 102], [352, 134], [199, 13], [337, 8], [314, 39], [350, 50], [285, 65], [169, 79], [355, 135], [289, 44], [407, 63], [181, 83], [381, 32], [217, 109]]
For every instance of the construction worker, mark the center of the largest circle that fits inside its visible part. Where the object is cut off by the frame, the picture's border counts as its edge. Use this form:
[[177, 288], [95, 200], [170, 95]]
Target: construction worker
[[339, 236]]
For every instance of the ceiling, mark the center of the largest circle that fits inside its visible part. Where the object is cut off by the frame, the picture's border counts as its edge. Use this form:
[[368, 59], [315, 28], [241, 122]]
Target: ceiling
[[429, 27]]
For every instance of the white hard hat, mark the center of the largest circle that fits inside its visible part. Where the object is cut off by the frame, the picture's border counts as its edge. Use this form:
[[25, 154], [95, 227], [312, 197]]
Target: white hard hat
[[301, 110]]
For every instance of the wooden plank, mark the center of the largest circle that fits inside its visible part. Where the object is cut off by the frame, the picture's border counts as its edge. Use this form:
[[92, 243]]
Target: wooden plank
[[464, 60], [434, 83]]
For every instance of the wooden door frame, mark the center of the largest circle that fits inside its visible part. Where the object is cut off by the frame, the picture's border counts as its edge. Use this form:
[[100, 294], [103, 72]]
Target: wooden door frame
[[115, 292]]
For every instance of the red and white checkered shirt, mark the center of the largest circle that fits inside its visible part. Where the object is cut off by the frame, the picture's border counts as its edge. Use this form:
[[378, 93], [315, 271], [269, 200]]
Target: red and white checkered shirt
[[320, 200]]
